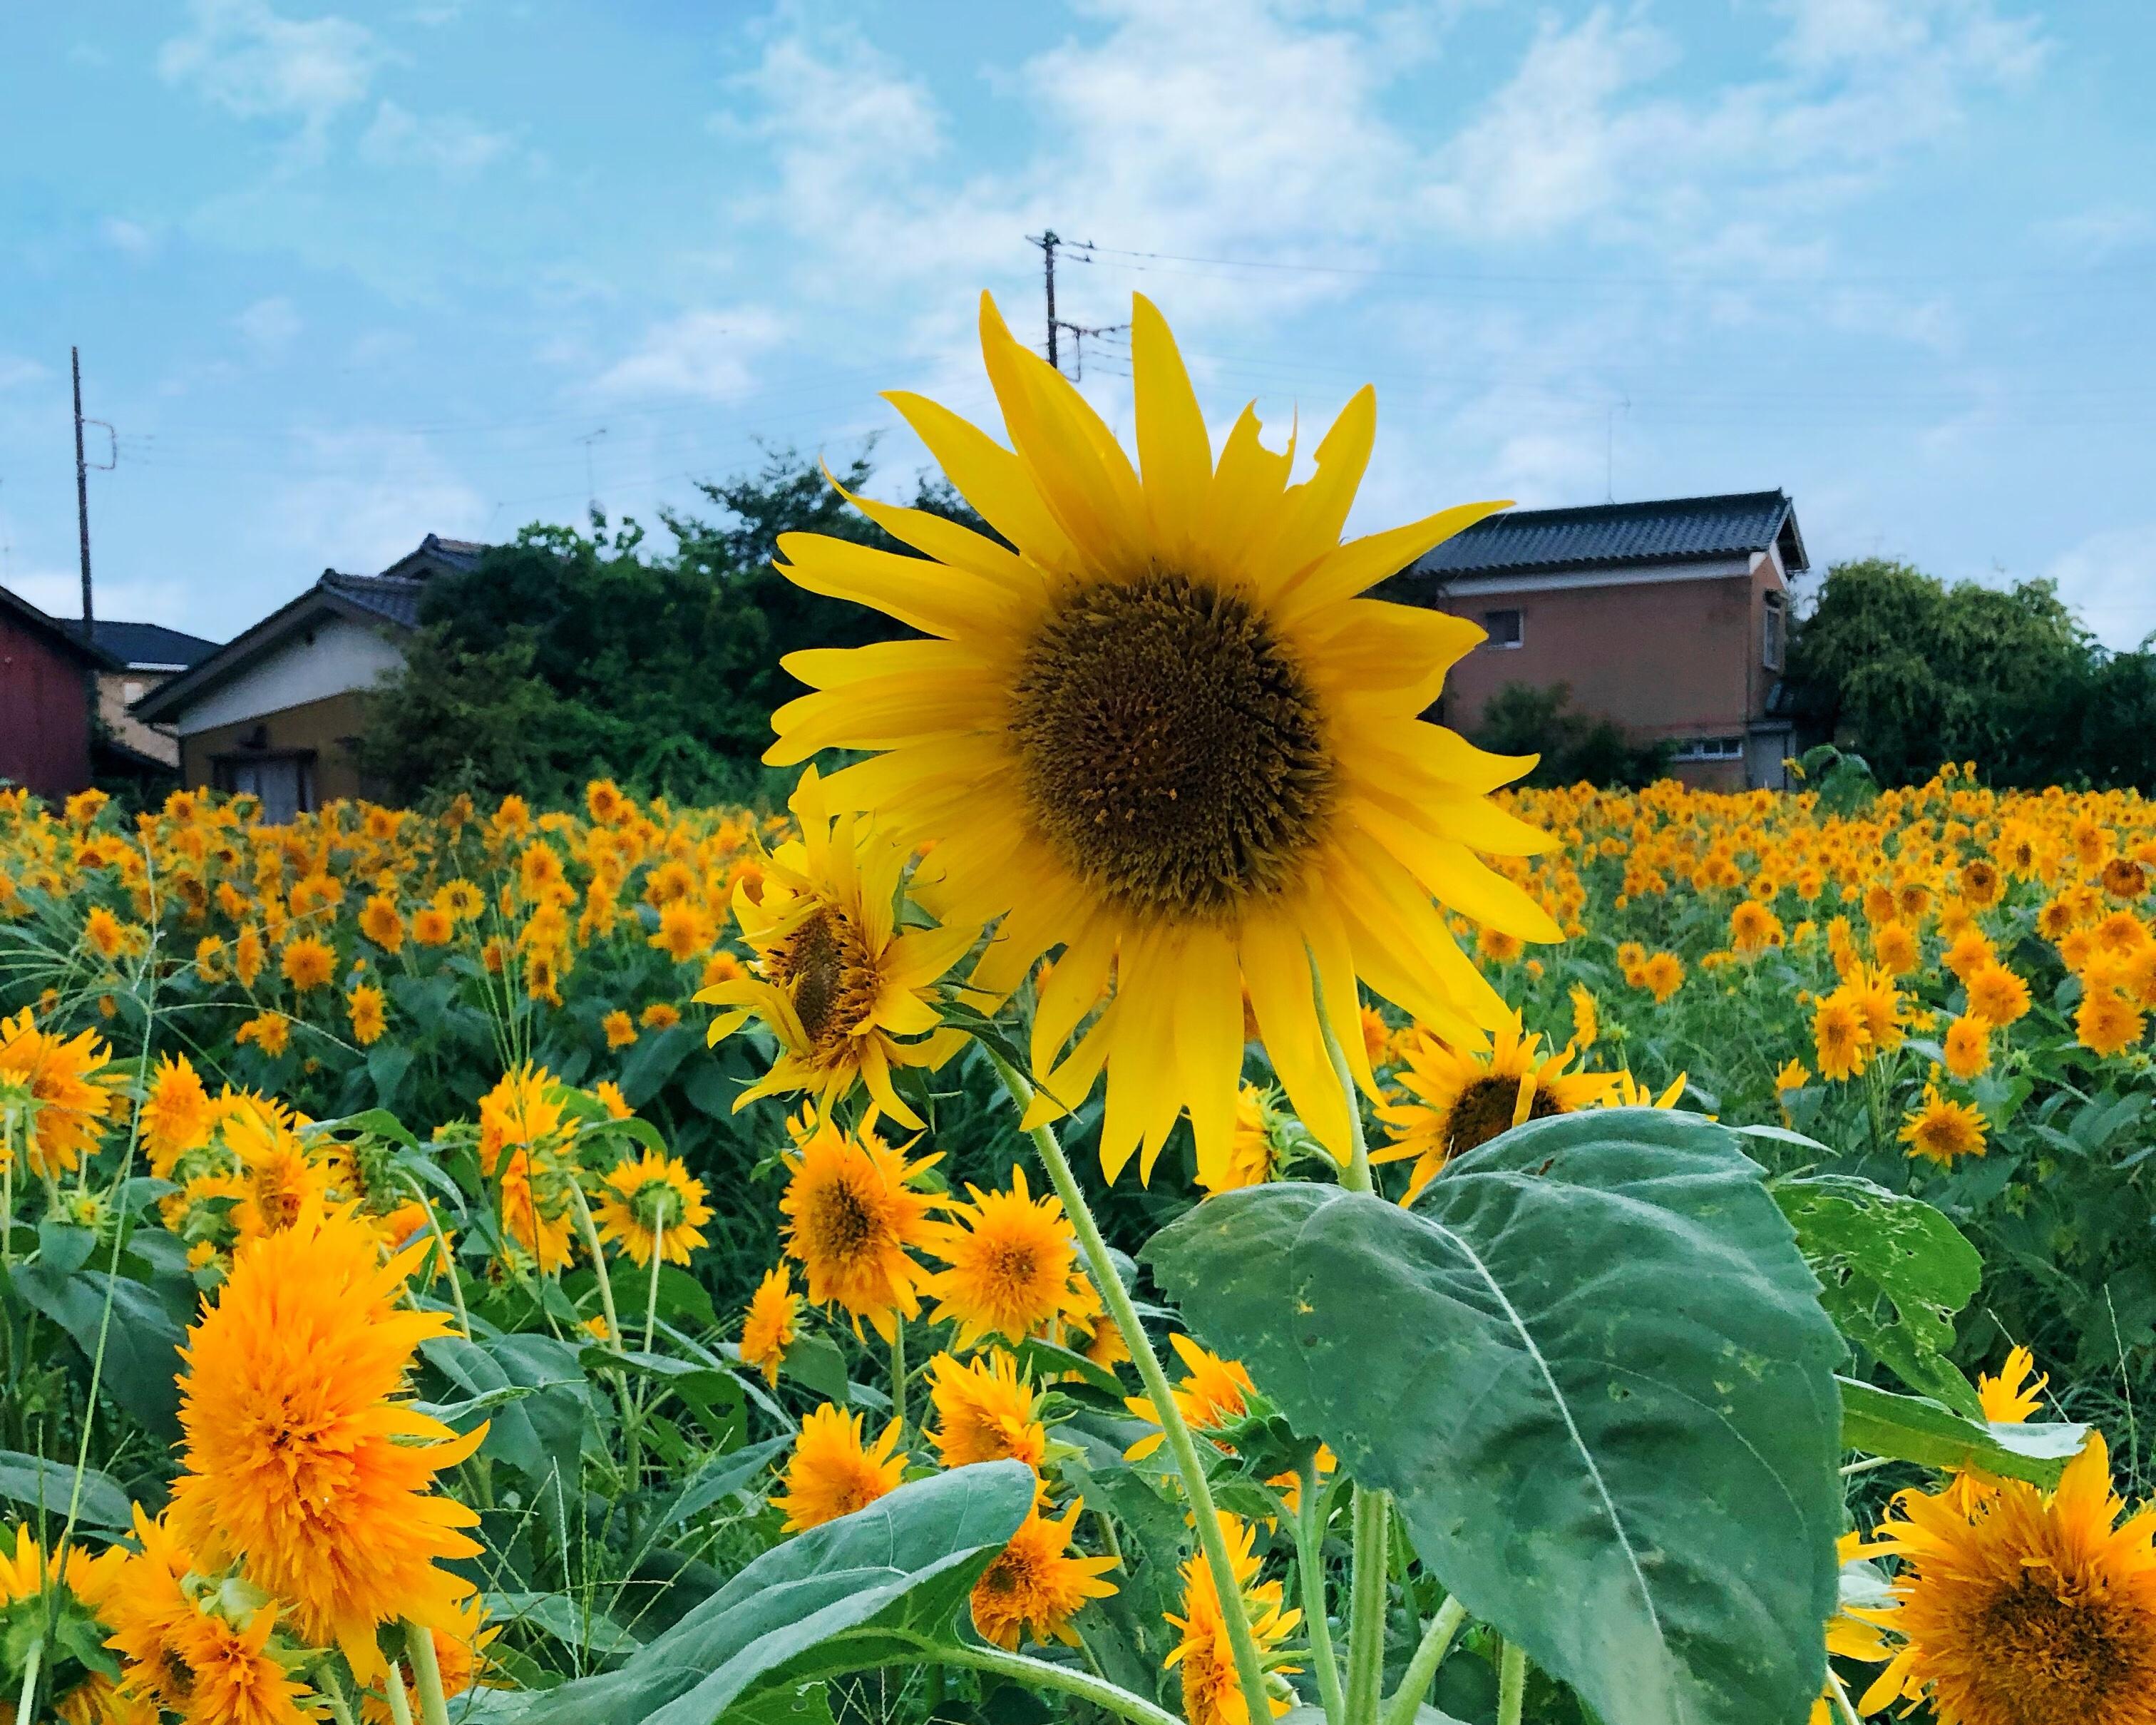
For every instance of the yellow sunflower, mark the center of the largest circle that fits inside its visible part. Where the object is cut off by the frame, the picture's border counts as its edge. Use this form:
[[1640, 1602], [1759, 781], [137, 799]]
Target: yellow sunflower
[[63, 1087], [1943, 1129], [986, 1410], [833, 1472], [1036, 1585], [2032, 1608], [1211, 1695], [846, 992], [1458, 1098], [853, 1219], [176, 1115], [653, 1204], [1166, 735], [1009, 1257]]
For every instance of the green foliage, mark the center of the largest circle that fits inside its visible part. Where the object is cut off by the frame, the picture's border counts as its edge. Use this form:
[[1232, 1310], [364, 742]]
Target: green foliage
[[1600, 1357], [1520, 719], [1914, 671], [1912, 1428], [565, 656]]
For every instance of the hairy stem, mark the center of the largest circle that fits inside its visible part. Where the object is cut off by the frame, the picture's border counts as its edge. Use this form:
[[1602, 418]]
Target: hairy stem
[[1250, 1669], [1310, 1572], [898, 1368], [1511, 1683], [1414, 1683], [1041, 1674], [1365, 1606], [426, 1673]]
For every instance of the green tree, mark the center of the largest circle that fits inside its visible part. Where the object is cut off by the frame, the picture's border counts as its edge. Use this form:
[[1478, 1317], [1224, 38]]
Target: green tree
[[1520, 719]]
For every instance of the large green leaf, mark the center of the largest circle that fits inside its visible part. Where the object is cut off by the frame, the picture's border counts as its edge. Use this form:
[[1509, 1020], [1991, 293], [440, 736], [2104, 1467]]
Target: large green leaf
[[1592, 1369], [865, 1590], [48, 1487], [140, 1339], [1913, 1428], [1892, 1270]]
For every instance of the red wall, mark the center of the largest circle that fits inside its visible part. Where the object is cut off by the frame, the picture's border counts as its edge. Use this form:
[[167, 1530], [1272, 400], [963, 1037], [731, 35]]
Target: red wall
[[44, 722]]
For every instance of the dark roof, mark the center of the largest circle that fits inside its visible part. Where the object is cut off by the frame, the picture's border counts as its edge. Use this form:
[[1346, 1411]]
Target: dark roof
[[145, 646], [65, 633], [1608, 536], [391, 597]]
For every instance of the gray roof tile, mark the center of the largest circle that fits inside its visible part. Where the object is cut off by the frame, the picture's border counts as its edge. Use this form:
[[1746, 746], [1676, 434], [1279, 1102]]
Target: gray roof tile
[[1611, 535]]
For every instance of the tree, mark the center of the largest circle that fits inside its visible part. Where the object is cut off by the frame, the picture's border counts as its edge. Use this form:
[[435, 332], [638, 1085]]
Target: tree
[[1520, 719]]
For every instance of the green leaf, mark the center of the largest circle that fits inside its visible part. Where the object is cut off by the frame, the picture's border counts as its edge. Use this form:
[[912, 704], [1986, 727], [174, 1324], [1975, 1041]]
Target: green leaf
[[568, 1621], [39, 1484], [654, 1059], [1591, 1367], [816, 1363], [1871, 1247], [141, 1342], [1913, 1428], [1046, 1360], [720, 1478], [387, 1064], [867, 1589]]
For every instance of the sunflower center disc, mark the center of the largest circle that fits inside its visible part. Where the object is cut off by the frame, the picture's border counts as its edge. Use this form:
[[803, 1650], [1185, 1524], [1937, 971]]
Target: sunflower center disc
[[826, 970], [1171, 749]]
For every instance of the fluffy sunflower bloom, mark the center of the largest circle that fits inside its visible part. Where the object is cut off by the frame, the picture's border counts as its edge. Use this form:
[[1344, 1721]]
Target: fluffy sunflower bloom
[[1165, 734], [652, 1204], [2031, 1609], [64, 1089], [1997, 995], [771, 1324], [1008, 1258], [1253, 1157], [833, 1472], [1458, 1098], [301, 1465], [1214, 1392], [2107, 1022], [846, 992], [986, 1410], [1942, 1129], [1841, 1039], [1036, 1586], [370, 1013], [852, 1220], [1211, 1694], [176, 1115], [1968, 1050], [307, 962], [522, 1111]]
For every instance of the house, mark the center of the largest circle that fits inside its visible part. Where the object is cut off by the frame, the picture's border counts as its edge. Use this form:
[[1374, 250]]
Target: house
[[45, 667], [277, 710], [1670, 619], [149, 655]]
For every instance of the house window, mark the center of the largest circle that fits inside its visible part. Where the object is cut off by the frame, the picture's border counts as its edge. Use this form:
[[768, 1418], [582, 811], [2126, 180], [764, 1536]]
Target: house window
[[284, 784], [1502, 626], [1772, 627], [1709, 748], [131, 691]]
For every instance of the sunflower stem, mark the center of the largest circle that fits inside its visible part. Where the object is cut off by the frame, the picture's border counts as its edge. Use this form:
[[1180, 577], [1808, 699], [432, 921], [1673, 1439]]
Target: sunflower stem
[[393, 1692], [1365, 1606], [898, 1367], [332, 1694], [426, 1673], [30, 1665], [1356, 1175], [589, 1230], [1843, 1705], [1310, 1572], [442, 1246], [1429, 1655], [1213, 1541], [1511, 1683], [651, 1293]]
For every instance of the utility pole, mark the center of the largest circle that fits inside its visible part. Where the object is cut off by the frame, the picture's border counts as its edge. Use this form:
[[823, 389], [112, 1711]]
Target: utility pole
[[82, 525], [1048, 241], [1078, 333]]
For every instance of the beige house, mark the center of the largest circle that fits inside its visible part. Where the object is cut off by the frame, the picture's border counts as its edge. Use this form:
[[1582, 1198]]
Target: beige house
[[1670, 618], [277, 710], [149, 656]]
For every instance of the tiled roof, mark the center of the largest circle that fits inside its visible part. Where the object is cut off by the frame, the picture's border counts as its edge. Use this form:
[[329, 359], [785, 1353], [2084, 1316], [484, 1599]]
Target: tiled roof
[[1604, 535], [150, 644], [65, 633], [394, 598]]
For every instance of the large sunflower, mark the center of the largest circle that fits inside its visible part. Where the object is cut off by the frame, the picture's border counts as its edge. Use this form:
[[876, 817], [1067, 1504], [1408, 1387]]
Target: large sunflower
[[1164, 733], [841, 986]]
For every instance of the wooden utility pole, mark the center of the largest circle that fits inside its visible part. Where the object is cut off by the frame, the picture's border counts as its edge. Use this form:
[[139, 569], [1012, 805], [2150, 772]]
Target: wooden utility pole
[[82, 502], [1048, 242]]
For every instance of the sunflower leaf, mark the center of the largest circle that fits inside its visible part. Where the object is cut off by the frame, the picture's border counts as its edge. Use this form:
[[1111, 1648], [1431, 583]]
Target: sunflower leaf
[[1591, 1367], [1915, 1428]]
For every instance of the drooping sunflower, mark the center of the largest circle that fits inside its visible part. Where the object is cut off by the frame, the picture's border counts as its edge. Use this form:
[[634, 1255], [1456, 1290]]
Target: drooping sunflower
[[1211, 1694], [1165, 734], [1036, 1585], [302, 1462], [853, 1220], [986, 1410], [844, 988], [1943, 1129], [1458, 1098], [2028, 1609], [1009, 1258], [653, 1204], [1253, 1155], [833, 1471], [770, 1326]]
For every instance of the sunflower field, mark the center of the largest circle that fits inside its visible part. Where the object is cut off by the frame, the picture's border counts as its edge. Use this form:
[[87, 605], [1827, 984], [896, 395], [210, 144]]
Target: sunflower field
[[1157, 1188]]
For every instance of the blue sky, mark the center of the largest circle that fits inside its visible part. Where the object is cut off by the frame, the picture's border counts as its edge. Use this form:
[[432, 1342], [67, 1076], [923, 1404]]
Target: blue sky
[[342, 278]]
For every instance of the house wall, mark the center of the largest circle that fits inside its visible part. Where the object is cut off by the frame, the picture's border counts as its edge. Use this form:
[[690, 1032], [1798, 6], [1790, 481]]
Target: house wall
[[1666, 653], [113, 696], [336, 656], [45, 717], [324, 728]]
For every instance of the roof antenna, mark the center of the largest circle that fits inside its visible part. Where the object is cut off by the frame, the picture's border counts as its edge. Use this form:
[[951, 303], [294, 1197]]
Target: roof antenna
[[591, 488], [1609, 450]]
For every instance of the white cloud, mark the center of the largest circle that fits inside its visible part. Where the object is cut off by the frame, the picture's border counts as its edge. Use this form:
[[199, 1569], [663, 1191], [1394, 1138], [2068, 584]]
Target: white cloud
[[2090, 236], [245, 58], [2110, 577], [447, 143], [269, 325], [710, 354], [16, 371], [131, 238]]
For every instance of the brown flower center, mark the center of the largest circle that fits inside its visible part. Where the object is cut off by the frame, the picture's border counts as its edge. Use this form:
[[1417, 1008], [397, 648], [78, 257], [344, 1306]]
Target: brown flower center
[[830, 976], [2056, 1650], [842, 1222], [1485, 1108], [1171, 749]]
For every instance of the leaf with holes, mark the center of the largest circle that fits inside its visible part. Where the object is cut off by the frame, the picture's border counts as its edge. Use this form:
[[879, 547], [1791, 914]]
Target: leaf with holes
[[1591, 1367], [1892, 1272]]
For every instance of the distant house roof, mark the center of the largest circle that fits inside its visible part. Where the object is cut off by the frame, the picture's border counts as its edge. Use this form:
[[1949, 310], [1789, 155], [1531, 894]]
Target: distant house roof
[[150, 646], [390, 599], [1612, 535], [65, 633]]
